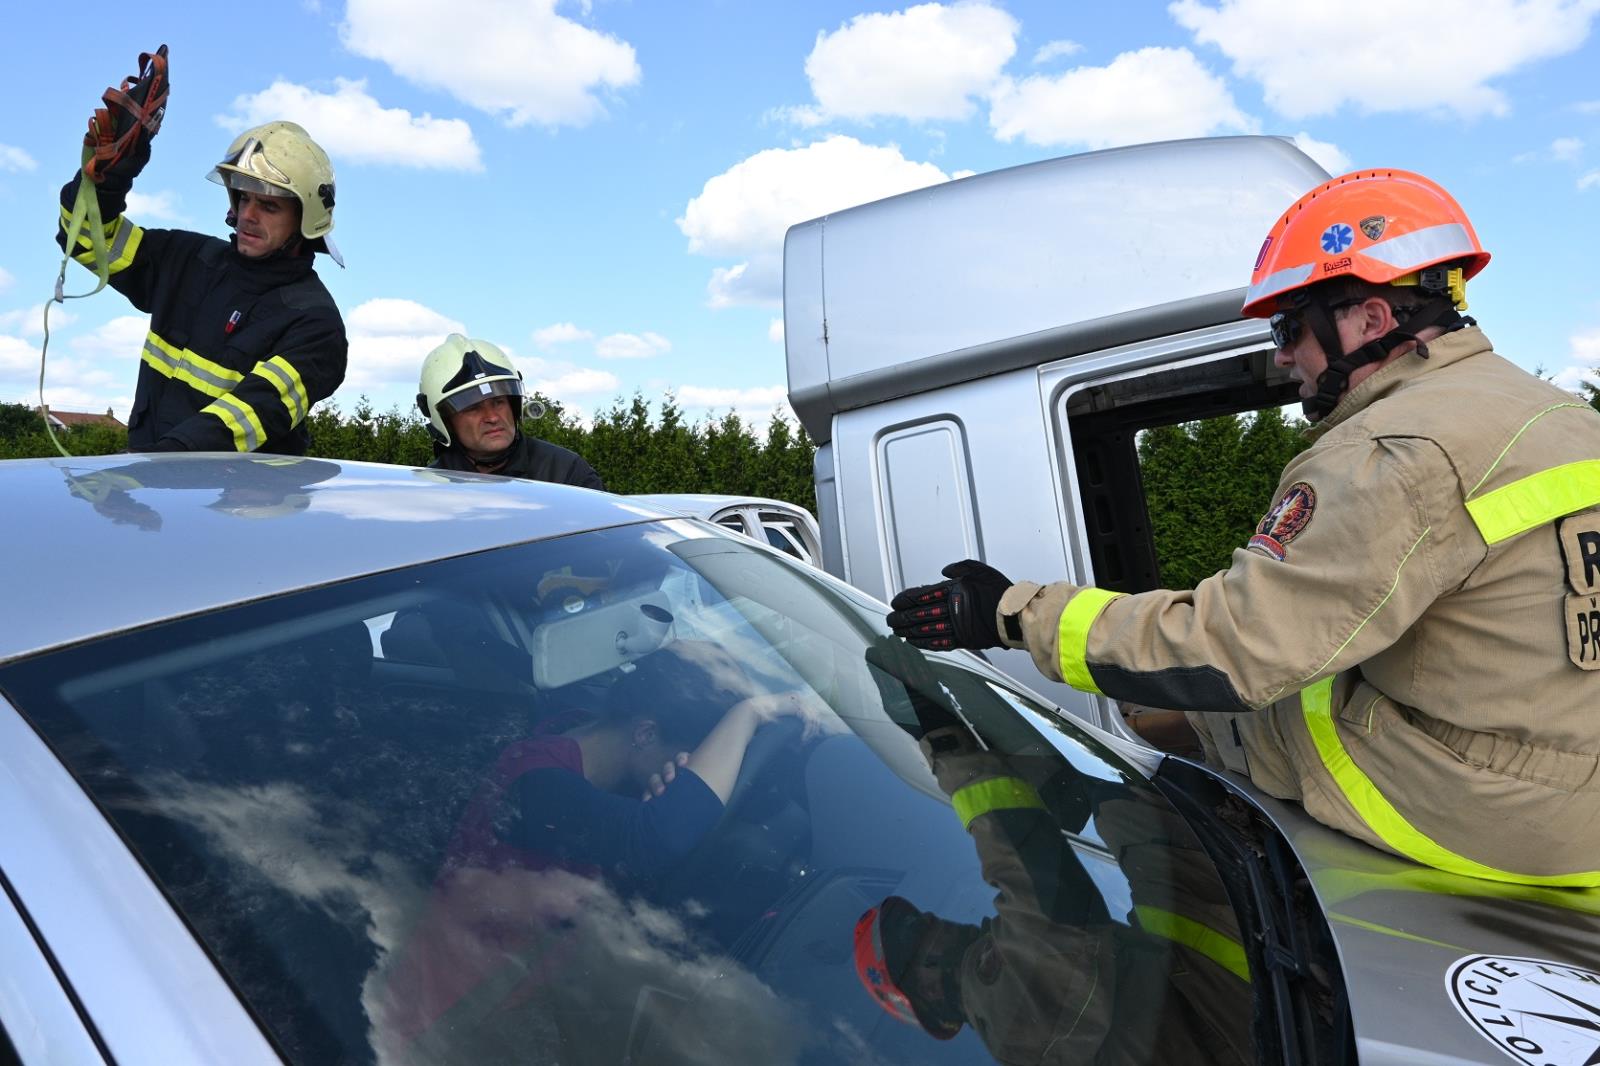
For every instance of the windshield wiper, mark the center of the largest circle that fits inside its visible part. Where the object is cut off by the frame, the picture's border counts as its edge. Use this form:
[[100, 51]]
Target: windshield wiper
[[1301, 1007]]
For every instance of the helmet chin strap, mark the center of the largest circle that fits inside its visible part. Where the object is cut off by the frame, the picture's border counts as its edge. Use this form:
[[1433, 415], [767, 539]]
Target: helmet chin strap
[[1333, 382]]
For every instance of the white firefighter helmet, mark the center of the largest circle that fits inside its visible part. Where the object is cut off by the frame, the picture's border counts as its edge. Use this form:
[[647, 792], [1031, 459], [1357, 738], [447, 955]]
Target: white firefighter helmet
[[462, 373], [281, 159]]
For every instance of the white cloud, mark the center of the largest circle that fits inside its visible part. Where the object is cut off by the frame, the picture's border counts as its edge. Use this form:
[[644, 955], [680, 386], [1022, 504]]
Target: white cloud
[[5, 279], [1566, 149], [389, 338], [1055, 50], [154, 207], [88, 372], [515, 58], [352, 126], [1590, 179], [1583, 355], [775, 331], [1587, 107], [120, 338], [1312, 59], [1154, 94], [925, 63], [743, 212], [568, 384], [1328, 156], [632, 346], [560, 333], [29, 321], [763, 397], [15, 159]]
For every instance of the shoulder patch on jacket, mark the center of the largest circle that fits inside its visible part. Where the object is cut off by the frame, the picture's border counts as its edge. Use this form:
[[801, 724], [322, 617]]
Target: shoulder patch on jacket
[[1286, 521]]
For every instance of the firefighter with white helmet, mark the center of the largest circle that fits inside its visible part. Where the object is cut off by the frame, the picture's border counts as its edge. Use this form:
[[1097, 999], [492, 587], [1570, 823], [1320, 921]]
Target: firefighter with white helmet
[[1408, 644], [244, 337], [473, 397]]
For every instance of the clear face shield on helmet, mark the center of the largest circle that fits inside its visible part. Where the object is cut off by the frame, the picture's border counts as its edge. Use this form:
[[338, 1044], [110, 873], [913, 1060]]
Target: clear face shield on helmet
[[473, 394]]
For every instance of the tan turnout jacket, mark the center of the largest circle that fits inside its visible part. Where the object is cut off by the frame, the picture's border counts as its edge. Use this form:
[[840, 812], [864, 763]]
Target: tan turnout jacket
[[1410, 644]]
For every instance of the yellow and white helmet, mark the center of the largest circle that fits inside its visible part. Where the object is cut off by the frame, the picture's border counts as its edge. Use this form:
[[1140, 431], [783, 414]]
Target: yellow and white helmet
[[462, 373], [281, 159]]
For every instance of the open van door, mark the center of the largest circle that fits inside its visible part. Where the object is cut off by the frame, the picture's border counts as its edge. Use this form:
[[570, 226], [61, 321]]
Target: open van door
[[976, 360]]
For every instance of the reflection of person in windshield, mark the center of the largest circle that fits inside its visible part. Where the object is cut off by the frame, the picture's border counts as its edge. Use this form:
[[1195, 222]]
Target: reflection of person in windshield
[[257, 486], [1052, 977], [615, 801]]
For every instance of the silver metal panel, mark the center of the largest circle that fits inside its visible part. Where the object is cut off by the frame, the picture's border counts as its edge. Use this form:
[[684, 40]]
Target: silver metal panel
[[152, 993], [1037, 247], [176, 534], [1008, 459], [834, 560], [804, 313], [1399, 927], [925, 501], [35, 1012]]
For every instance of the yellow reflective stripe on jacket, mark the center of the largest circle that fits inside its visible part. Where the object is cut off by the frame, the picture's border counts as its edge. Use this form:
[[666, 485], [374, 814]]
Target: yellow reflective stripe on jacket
[[995, 794], [1316, 704], [286, 379], [1072, 643], [241, 420], [121, 239], [1220, 949], [189, 367], [1536, 499]]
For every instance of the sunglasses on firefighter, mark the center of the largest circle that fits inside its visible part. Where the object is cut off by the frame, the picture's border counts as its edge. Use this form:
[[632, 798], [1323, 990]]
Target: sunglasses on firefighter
[[1288, 326]]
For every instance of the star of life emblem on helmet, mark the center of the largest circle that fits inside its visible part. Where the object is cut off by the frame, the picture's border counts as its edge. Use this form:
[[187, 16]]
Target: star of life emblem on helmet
[[1536, 1011], [1337, 237]]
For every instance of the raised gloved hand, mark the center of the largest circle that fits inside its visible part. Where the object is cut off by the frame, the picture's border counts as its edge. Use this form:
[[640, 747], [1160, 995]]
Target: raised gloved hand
[[958, 613], [119, 133]]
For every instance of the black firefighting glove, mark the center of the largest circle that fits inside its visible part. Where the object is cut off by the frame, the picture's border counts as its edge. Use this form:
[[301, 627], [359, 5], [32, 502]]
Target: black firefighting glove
[[906, 681], [958, 613]]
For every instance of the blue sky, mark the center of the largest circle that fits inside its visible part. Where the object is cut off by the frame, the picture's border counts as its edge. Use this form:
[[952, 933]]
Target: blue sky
[[602, 187]]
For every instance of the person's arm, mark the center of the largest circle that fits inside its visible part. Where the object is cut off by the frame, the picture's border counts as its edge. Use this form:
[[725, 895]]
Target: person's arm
[[1377, 545], [569, 820], [134, 254], [718, 758], [307, 365]]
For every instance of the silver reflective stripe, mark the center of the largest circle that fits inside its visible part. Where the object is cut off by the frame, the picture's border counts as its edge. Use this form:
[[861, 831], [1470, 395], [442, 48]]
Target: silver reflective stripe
[[173, 365], [241, 418], [1278, 281], [124, 230], [1447, 241], [160, 355], [291, 394]]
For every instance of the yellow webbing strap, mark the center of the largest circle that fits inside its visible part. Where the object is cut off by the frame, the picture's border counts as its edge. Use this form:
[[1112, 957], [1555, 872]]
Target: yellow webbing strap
[[85, 216], [1219, 948], [1389, 824], [1072, 636], [995, 794], [1530, 502]]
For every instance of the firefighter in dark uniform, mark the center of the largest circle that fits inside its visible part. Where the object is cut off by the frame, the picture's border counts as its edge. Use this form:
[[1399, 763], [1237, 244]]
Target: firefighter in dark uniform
[[243, 337], [473, 398]]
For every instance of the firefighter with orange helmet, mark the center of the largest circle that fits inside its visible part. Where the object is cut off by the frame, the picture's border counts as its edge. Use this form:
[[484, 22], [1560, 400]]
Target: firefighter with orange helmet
[[1409, 643], [1053, 976]]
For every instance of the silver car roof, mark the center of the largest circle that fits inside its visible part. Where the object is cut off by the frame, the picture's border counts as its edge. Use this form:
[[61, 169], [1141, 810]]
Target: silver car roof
[[96, 545]]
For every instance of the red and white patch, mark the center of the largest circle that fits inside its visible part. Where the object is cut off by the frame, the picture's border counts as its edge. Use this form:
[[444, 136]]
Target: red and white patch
[[1286, 521]]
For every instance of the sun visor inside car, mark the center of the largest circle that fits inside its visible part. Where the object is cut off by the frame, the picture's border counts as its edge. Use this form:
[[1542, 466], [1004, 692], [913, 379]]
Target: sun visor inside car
[[599, 639]]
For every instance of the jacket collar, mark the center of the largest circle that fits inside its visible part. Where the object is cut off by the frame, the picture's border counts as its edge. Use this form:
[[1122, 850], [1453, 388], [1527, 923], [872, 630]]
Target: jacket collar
[[1442, 351]]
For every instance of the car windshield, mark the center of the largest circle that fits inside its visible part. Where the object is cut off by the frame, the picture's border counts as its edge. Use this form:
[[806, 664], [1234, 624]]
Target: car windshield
[[645, 794]]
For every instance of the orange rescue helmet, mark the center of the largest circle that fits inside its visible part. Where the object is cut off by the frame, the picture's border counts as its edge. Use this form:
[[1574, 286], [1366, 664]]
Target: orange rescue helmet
[[1382, 226]]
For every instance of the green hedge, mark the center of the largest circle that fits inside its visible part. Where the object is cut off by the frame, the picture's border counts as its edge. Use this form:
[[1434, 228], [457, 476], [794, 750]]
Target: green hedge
[[633, 451]]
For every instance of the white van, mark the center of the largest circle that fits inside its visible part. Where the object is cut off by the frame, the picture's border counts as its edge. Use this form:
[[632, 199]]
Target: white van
[[976, 359]]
